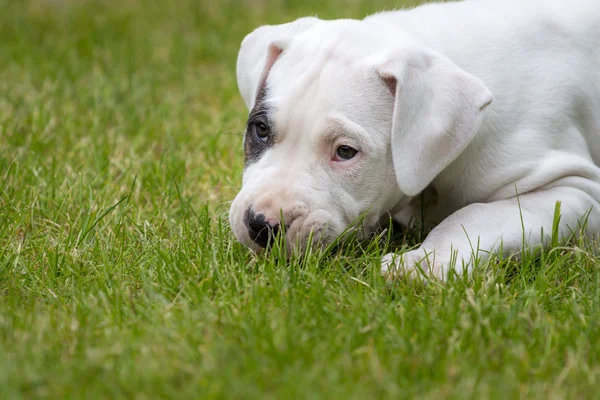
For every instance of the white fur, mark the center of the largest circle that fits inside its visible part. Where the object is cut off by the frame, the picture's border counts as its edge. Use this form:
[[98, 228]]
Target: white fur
[[476, 101]]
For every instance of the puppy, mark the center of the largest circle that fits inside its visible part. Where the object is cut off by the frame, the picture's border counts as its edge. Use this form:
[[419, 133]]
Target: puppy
[[493, 106]]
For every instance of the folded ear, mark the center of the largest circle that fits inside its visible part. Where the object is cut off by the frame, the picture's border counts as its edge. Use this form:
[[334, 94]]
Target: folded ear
[[437, 111], [259, 51]]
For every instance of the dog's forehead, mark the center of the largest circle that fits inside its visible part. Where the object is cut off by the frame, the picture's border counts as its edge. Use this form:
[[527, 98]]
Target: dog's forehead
[[326, 70], [333, 92], [345, 42]]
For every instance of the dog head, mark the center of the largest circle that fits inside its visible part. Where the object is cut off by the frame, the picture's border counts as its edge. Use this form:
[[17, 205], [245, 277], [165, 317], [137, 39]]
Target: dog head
[[345, 124]]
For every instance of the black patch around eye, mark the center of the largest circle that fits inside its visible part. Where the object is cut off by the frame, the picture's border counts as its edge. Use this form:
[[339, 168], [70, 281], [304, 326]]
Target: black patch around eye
[[254, 147]]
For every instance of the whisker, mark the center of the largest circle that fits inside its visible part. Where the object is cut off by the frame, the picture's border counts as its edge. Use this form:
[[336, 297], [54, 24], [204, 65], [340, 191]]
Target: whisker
[[232, 133], [235, 132]]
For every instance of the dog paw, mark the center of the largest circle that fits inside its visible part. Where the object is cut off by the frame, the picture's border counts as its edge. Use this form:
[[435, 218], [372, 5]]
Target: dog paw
[[415, 264]]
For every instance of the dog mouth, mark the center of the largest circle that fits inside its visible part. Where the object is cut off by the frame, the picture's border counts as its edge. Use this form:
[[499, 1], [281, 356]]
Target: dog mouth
[[263, 232], [269, 238]]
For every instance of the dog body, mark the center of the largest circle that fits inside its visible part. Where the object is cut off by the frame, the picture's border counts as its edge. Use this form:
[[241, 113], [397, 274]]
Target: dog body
[[493, 106]]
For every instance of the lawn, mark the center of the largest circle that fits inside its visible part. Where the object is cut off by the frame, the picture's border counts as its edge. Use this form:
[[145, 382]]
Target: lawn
[[120, 150]]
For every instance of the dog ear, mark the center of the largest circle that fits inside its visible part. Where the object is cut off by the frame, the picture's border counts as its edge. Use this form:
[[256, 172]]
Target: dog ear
[[260, 50], [437, 111]]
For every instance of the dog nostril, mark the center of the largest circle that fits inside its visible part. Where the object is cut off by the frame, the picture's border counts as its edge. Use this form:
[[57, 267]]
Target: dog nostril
[[259, 229], [256, 222]]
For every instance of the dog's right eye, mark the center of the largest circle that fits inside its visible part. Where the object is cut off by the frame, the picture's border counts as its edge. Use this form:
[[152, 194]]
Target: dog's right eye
[[343, 153], [261, 131]]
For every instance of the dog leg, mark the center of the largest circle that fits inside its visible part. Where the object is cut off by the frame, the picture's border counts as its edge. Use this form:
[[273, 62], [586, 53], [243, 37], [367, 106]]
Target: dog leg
[[474, 231]]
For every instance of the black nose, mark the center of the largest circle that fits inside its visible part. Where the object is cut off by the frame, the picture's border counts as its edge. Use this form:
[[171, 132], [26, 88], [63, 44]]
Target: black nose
[[259, 229]]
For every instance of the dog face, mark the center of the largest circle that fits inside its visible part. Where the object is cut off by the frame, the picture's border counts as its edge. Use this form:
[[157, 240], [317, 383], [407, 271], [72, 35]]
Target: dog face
[[324, 109]]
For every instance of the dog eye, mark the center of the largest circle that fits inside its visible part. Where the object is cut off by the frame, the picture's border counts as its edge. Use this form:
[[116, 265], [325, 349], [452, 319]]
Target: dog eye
[[344, 152], [261, 131]]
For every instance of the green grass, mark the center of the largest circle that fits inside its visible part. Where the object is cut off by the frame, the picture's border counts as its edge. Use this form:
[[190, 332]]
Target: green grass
[[120, 149]]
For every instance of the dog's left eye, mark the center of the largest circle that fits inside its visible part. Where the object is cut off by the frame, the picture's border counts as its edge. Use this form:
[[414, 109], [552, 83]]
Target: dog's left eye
[[344, 152], [261, 131]]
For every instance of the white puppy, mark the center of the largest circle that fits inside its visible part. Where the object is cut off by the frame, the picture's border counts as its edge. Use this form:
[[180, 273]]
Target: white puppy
[[492, 106]]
